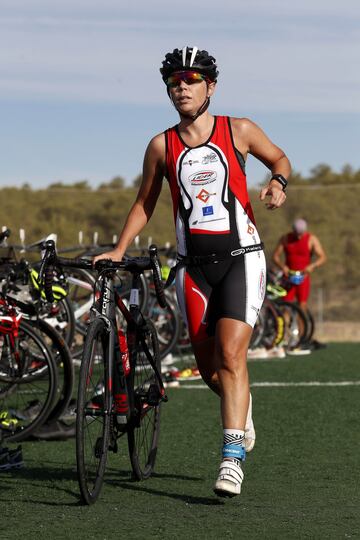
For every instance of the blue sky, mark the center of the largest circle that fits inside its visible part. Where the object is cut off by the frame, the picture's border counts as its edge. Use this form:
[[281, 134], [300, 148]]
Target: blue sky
[[81, 94]]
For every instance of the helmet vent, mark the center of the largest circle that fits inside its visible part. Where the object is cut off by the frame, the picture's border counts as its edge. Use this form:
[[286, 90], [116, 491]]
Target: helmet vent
[[193, 55]]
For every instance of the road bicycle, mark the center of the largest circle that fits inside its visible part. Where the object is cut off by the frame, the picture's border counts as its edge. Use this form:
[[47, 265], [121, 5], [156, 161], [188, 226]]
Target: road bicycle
[[120, 386]]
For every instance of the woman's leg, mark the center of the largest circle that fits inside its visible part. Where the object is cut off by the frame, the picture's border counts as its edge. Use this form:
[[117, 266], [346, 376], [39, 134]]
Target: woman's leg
[[222, 363], [231, 345]]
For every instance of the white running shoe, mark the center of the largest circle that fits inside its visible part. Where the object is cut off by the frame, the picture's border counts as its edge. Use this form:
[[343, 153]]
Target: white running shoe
[[299, 351], [250, 435], [277, 352], [228, 483], [259, 353], [168, 360]]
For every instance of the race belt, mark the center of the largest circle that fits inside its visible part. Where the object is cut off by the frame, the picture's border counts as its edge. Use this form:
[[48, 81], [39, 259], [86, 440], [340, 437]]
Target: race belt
[[198, 260]]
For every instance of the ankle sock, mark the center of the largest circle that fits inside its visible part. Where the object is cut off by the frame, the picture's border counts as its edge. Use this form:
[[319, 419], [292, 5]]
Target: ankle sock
[[233, 446]]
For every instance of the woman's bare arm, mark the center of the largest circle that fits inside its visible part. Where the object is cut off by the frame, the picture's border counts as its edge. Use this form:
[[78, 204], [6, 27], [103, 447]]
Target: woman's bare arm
[[148, 194]]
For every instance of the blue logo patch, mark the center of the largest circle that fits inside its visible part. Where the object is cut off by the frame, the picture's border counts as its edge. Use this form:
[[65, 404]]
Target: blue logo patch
[[208, 211]]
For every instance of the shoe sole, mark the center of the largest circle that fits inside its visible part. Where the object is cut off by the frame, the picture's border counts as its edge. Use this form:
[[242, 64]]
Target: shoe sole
[[224, 492]]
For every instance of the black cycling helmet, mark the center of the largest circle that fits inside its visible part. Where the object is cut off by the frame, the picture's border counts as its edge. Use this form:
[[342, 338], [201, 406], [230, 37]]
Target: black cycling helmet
[[189, 58]]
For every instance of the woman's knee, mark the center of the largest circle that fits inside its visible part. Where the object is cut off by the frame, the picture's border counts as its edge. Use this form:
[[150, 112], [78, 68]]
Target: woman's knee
[[232, 357]]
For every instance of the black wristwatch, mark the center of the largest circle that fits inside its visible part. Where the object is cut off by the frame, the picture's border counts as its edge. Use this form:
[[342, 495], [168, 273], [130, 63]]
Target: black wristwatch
[[281, 179]]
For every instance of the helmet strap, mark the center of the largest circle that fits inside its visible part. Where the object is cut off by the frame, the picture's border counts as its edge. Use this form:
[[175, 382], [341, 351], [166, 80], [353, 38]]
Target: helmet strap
[[200, 111]]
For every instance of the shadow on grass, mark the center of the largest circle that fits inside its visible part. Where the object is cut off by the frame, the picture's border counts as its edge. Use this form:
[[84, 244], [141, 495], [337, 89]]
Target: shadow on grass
[[190, 499], [112, 471], [53, 478], [49, 477]]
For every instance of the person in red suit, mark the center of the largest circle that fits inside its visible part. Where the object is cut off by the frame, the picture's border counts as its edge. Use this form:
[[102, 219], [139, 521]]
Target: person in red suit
[[297, 254]]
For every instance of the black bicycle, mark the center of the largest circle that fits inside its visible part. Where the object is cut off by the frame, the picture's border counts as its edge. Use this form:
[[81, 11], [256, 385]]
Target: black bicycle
[[120, 386]]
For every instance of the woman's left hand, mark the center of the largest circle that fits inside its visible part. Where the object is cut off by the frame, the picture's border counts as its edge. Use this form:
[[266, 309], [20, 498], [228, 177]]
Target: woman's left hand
[[277, 195]]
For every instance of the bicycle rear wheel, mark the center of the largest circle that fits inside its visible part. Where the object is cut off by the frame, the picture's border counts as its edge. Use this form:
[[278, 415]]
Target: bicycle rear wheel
[[93, 415], [145, 402]]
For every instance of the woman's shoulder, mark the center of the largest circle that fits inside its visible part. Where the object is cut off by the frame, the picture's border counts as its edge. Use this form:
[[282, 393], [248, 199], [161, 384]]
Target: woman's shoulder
[[157, 142], [242, 124]]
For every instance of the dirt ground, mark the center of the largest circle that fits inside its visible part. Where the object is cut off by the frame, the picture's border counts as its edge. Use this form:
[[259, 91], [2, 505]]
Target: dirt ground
[[338, 331]]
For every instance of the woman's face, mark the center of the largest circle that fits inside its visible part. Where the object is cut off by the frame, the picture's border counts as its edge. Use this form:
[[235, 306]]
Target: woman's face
[[188, 96]]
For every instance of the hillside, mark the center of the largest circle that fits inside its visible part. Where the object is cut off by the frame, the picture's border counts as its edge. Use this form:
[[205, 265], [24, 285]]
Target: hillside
[[330, 209]]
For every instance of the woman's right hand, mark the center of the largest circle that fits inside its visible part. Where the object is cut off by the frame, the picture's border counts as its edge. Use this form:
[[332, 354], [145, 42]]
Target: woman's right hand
[[114, 255], [286, 270]]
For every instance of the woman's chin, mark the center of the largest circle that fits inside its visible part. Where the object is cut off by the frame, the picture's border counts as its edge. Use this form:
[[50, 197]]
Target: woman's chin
[[186, 110]]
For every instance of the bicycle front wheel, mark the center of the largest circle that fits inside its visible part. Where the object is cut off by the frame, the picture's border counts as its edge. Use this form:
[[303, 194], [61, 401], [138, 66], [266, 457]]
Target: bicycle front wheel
[[145, 401], [93, 416]]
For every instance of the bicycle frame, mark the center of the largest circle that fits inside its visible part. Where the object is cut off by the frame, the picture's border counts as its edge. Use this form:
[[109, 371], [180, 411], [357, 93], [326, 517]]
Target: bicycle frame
[[104, 307]]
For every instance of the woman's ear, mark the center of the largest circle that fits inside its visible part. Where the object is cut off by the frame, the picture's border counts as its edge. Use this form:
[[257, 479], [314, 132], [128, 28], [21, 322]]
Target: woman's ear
[[211, 88]]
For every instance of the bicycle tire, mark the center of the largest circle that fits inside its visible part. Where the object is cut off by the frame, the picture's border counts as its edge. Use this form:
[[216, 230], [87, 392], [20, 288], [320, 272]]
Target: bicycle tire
[[62, 356], [93, 418], [167, 323], [28, 399], [144, 424], [63, 320], [295, 323], [274, 325], [81, 294], [311, 326]]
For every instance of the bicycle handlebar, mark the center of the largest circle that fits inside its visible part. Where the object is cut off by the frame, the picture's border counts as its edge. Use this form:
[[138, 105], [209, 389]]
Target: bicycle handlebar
[[4, 234], [134, 265]]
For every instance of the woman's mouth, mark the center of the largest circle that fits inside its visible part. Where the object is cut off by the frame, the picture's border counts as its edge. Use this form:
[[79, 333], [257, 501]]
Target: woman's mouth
[[183, 99]]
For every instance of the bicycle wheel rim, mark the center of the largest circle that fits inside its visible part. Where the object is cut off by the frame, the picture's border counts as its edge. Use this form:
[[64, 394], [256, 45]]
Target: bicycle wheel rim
[[144, 426], [92, 419], [26, 400]]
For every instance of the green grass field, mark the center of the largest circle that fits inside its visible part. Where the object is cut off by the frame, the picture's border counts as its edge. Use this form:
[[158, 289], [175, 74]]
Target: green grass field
[[301, 480]]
